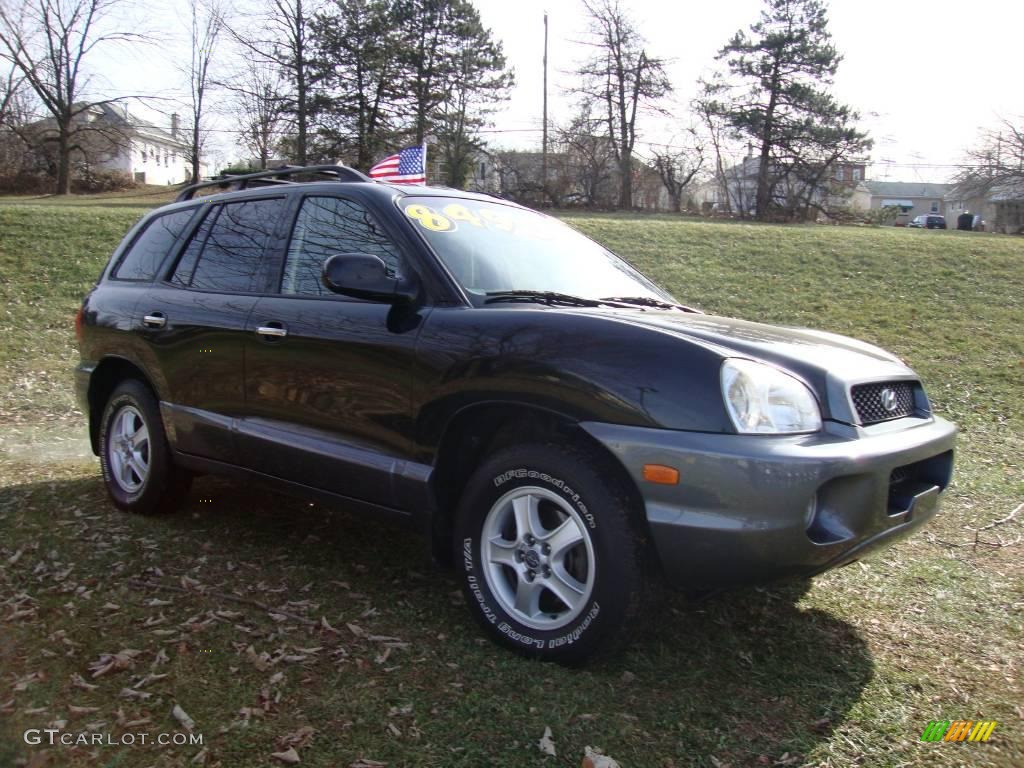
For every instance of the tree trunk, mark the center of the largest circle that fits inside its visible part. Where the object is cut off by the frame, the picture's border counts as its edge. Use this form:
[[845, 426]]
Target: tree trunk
[[301, 86], [195, 152], [63, 160], [626, 185], [763, 200]]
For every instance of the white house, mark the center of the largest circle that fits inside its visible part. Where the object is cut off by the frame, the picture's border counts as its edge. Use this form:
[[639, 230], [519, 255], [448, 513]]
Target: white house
[[116, 140], [148, 154]]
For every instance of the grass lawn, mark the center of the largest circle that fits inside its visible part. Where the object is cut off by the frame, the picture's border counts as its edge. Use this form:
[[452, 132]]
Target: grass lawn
[[369, 653]]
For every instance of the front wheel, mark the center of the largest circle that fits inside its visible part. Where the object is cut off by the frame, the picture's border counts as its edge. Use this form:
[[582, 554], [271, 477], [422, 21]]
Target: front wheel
[[549, 553]]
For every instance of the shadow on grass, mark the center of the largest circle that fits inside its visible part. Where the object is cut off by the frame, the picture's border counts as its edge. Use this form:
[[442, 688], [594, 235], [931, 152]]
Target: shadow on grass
[[739, 676]]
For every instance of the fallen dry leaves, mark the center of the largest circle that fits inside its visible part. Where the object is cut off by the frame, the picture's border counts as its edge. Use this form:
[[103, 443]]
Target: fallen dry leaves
[[182, 717], [288, 756], [113, 662], [546, 744]]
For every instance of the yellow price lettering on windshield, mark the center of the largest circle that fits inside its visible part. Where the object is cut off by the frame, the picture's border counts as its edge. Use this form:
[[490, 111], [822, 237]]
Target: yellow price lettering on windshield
[[459, 212], [429, 218]]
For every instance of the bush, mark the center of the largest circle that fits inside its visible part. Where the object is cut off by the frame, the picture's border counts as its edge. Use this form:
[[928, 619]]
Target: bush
[[883, 216], [101, 180], [236, 170], [90, 180], [26, 183]]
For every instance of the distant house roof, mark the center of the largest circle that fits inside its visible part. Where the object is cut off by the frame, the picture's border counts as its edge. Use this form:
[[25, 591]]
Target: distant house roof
[[1009, 191], [906, 189], [971, 187], [119, 117]]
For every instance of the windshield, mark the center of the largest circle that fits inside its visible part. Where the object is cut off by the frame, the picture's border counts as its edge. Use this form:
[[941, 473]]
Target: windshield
[[491, 248]]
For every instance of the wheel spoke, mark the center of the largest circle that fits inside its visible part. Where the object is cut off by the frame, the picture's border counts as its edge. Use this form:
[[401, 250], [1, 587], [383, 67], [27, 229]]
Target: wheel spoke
[[125, 468], [565, 588], [501, 552], [528, 597], [140, 437], [116, 464], [527, 518], [138, 466], [127, 424], [563, 538]]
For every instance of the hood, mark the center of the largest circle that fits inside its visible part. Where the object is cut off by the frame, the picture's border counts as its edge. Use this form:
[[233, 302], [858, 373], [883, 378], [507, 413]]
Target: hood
[[827, 362]]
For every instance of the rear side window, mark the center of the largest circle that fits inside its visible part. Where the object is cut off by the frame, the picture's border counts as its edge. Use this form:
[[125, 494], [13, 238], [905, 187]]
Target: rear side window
[[145, 255], [227, 252], [327, 226]]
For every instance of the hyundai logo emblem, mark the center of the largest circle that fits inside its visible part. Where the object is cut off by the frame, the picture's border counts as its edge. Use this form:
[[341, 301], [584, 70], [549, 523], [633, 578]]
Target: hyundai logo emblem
[[888, 397]]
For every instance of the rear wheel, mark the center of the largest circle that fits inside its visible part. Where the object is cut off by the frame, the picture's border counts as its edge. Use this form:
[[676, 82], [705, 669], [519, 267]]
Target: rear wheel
[[550, 559], [134, 455]]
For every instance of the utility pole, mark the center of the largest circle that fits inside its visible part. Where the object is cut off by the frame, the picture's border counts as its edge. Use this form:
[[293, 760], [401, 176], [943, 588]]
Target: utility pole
[[544, 128]]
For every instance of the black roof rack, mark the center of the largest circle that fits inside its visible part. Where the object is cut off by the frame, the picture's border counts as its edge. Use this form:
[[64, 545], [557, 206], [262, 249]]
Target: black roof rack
[[273, 176]]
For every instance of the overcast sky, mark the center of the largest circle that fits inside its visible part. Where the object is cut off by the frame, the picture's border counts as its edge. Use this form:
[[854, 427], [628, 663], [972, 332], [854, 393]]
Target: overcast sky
[[925, 76]]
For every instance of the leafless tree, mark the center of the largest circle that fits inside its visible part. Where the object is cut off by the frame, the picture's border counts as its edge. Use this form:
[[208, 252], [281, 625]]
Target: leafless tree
[[206, 22], [592, 164], [48, 42], [284, 42], [14, 115], [623, 78], [10, 92], [258, 107], [678, 165], [998, 154]]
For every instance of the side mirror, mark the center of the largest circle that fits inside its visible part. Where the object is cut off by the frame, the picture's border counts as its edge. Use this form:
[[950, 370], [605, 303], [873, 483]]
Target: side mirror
[[365, 276]]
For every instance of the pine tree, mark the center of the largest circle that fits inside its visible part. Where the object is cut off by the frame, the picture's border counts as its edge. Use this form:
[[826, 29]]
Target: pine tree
[[776, 94]]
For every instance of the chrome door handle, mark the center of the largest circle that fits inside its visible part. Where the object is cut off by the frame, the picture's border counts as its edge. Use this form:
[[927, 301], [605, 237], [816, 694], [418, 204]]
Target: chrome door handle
[[155, 320], [268, 330]]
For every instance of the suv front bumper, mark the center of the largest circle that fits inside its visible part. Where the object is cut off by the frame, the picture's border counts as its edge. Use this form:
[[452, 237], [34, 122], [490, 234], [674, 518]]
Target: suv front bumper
[[754, 508]]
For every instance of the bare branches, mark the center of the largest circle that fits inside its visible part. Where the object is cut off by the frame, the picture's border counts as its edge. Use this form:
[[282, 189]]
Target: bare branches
[[677, 167], [998, 154], [48, 41], [624, 79], [284, 43], [206, 24], [978, 541]]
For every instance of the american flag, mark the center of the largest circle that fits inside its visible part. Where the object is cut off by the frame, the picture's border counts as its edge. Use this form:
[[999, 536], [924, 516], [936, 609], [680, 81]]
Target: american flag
[[407, 167]]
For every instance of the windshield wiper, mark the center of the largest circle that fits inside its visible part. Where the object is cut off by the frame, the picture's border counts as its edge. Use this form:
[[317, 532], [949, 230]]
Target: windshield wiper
[[647, 301], [542, 297]]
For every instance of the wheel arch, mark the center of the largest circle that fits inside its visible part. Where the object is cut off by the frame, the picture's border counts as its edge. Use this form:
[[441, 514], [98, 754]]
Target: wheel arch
[[110, 372], [477, 431]]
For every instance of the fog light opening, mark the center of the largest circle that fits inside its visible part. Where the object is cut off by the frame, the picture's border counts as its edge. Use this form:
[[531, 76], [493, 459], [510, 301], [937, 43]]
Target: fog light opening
[[810, 512]]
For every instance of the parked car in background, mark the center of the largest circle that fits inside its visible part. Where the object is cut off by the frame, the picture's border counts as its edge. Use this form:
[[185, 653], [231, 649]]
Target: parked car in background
[[563, 430], [928, 221]]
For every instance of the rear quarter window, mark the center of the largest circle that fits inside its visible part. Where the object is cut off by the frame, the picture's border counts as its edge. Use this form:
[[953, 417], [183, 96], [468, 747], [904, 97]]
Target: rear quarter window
[[226, 252], [147, 251]]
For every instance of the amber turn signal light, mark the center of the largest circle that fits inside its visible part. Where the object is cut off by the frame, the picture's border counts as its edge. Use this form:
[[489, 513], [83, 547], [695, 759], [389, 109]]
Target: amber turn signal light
[[659, 473]]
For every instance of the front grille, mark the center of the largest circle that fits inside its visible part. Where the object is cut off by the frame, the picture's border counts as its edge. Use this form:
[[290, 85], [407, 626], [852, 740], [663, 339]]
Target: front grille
[[870, 401]]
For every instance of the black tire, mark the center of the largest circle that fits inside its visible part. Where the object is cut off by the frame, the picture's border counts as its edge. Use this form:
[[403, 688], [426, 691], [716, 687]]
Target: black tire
[[607, 562], [162, 486]]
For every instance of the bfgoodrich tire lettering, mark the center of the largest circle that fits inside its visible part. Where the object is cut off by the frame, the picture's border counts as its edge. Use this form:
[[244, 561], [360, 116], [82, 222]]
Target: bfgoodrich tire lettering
[[549, 553], [138, 470]]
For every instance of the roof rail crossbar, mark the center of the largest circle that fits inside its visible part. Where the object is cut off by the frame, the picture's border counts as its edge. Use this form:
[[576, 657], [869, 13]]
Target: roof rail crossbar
[[272, 176]]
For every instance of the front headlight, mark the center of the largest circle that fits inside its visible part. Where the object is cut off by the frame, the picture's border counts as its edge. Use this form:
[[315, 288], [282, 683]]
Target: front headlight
[[764, 400]]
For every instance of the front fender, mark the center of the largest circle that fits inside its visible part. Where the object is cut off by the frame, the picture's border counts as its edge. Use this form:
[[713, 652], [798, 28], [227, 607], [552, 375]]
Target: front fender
[[585, 368]]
